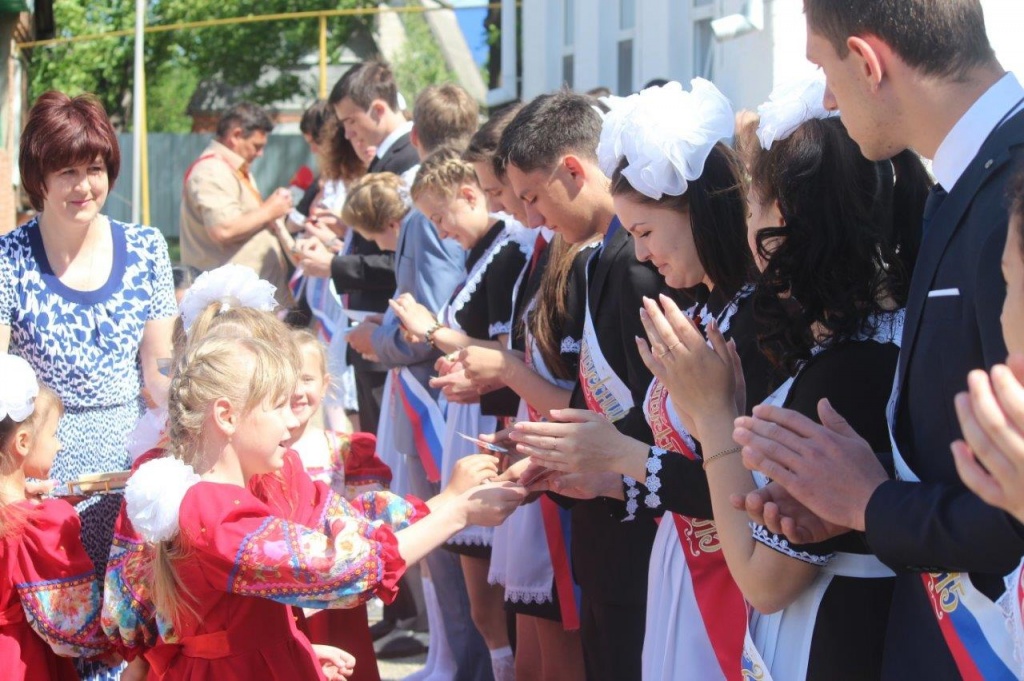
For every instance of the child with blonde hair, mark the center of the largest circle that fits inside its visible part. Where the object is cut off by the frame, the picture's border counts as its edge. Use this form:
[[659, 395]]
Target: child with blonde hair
[[479, 313], [349, 465], [227, 563], [49, 594]]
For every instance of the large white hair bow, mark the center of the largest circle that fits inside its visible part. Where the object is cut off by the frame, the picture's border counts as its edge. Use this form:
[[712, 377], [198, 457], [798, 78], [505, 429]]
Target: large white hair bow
[[18, 388], [153, 495], [230, 284], [789, 106], [666, 134]]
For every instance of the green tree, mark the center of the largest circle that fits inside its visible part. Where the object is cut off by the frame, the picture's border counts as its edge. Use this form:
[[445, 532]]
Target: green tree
[[177, 60], [420, 62]]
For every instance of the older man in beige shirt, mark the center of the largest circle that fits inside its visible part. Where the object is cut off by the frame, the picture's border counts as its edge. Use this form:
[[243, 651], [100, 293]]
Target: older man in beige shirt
[[223, 216]]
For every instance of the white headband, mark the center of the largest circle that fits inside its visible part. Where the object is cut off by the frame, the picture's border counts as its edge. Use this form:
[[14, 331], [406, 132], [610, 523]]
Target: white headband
[[18, 388], [233, 286], [789, 106], [665, 133]]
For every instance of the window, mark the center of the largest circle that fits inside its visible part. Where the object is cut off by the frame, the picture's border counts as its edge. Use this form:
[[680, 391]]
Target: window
[[505, 74], [624, 46], [704, 38], [568, 41]]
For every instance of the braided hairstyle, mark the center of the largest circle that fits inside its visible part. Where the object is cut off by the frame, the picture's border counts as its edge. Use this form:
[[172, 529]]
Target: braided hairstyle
[[248, 372], [442, 173]]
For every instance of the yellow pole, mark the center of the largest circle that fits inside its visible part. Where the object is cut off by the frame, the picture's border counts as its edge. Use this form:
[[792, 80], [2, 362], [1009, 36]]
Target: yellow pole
[[144, 152], [323, 56]]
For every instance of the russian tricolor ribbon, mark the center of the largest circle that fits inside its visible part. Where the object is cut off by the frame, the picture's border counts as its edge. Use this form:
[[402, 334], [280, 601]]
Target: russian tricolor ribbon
[[426, 419], [973, 626]]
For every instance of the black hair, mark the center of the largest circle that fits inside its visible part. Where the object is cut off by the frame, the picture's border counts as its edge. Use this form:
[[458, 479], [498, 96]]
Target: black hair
[[184, 276], [550, 127], [717, 206], [944, 38], [366, 82], [247, 116], [313, 118], [834, 263], [483, 145]]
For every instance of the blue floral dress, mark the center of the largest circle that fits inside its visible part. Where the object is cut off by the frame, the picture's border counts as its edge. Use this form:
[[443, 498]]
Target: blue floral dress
[[85, 346]]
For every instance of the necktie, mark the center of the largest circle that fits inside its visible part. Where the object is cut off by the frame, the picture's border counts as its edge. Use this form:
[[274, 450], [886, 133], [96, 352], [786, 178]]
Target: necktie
[[936, 195]]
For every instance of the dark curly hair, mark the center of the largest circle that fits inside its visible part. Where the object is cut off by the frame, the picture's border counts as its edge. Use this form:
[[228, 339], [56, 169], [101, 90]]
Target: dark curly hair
[[847, 248]]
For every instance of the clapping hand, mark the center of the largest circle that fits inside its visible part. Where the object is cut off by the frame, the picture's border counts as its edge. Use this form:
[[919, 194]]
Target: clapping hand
[[704, 382], [990, 457]]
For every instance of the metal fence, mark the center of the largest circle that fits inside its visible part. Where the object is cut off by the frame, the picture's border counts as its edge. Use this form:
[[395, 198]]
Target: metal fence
[[170, 155]]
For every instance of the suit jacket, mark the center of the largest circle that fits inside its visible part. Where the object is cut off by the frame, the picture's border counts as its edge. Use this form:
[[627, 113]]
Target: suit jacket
[[610, 557], [367, 275], [399, 157], [937, 524], [430, 269]]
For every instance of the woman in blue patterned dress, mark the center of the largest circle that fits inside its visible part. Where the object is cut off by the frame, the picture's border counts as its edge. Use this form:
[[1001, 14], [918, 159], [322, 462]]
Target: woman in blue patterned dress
[[87, 300]]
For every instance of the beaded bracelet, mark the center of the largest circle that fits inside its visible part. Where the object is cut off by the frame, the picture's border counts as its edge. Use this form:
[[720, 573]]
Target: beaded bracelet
[[429, 335], [732, 450]]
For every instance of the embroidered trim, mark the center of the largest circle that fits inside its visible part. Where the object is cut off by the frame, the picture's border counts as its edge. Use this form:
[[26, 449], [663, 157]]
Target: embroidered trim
[[518, 237], [498, 328], [780, 544], [571, 346], [653, 482], [632, 489], [527, 597]]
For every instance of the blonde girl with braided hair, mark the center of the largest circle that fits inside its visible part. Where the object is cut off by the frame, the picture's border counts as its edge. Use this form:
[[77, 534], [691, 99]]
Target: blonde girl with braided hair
[[479, 313], [227, 563]]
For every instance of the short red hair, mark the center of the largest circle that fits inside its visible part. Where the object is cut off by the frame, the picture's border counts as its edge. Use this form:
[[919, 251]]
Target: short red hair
[[62, 132]]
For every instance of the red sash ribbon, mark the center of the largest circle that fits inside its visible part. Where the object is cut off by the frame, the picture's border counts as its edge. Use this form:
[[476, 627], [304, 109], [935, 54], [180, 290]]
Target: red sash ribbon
[[721, 604]]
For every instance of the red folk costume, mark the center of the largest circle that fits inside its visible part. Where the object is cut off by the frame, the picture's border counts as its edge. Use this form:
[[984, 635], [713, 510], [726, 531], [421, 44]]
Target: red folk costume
[[49, 598], [353, 469], [250, 553]]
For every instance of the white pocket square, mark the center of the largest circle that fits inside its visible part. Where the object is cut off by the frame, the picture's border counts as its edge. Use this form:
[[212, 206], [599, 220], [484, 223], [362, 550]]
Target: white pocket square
[[943, 292]]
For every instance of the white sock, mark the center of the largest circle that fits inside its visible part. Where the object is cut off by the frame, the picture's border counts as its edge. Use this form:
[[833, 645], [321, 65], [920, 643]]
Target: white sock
[[503, 664]]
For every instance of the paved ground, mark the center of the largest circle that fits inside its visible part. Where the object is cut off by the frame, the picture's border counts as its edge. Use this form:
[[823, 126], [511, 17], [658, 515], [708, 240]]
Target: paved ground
[[394, 670]]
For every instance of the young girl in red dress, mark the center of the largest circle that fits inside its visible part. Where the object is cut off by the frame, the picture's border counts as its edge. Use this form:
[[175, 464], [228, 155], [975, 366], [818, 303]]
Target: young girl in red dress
[[349, 465], [227, 563], [49, 594]]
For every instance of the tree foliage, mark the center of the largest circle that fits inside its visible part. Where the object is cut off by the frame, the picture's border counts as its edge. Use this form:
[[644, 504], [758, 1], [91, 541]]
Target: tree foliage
[[176, 60]]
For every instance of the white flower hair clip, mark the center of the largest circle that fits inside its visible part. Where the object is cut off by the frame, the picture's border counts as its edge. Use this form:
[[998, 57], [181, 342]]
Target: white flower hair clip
[[19, 388], [233, 285], [789, 106], [666, 135], [153, 495]]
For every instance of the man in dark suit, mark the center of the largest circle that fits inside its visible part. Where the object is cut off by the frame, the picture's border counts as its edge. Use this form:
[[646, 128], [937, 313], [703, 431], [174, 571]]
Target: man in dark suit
[[917, 74], [550, 149], [365, 100]]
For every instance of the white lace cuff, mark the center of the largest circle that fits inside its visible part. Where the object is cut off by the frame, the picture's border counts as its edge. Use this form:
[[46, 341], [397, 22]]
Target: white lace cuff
[[782, 545], [651, 486], [498, 328]]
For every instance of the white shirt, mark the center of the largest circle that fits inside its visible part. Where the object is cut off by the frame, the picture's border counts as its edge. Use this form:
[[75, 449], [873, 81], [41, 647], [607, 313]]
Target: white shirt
[[383, 147], [964, 141]]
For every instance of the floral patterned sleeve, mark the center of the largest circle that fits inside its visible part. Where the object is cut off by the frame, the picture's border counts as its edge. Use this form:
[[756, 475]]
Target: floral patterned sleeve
[[387, 509], [129, 616], [249, 551], [56, 582]]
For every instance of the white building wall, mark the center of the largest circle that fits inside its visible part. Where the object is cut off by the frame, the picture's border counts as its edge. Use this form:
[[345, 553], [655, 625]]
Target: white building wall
[[745, 68]]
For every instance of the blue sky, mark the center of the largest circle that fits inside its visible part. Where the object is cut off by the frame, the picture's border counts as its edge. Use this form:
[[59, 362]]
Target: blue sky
[[470, 14]]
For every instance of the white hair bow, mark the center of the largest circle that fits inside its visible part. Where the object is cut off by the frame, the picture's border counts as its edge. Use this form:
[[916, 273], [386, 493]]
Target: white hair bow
[[666, 134], [18, 388], [231, 285], [789, 106]]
